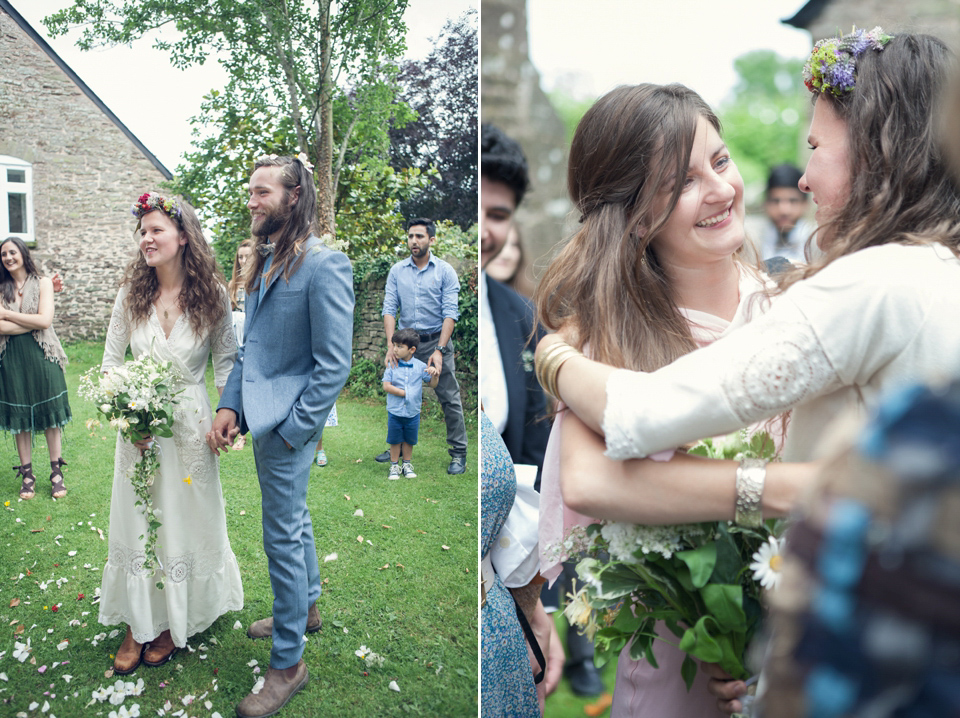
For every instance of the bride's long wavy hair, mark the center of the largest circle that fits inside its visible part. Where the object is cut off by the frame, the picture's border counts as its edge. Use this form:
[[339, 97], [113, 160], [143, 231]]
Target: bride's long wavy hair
[[901, 189], [201, 296], [628, 147]]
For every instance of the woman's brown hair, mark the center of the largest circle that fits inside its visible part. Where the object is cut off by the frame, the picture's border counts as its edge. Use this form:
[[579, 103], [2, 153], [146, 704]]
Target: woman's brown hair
[[201, 296], [237, 278], [631, 147], [901, 189]]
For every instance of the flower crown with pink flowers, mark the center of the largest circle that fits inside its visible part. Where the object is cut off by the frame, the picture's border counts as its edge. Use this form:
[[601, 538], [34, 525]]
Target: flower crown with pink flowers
[[149, 201], [833, 63]]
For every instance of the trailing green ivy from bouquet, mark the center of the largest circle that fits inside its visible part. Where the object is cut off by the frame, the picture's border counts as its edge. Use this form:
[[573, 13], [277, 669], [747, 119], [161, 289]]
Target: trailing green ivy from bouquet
[[703, 580], [137, 398]]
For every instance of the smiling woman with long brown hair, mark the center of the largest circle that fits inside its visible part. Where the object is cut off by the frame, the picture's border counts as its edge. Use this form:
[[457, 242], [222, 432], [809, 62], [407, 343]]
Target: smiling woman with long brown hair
[[173, 306], [33, 391]]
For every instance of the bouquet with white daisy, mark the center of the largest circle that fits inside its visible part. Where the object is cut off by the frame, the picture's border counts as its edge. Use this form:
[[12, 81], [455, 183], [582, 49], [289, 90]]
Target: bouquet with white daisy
[[137, 398], [703, 580]]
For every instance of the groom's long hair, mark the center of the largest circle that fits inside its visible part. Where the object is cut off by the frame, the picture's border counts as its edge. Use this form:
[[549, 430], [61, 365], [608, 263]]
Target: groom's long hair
[[299, 224]]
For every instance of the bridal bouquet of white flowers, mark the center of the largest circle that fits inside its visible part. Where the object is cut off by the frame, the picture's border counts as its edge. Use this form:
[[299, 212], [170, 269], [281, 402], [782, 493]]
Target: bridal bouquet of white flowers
[[137, 398], [702, 580]]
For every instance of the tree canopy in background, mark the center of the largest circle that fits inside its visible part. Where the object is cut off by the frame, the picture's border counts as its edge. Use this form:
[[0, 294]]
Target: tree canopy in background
[[442, 89], [766, 118], [315, 76]]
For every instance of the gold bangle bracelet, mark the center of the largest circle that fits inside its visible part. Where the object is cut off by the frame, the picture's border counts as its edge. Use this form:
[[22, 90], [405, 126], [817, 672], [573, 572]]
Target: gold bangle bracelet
[[550, 367], [543, 359]]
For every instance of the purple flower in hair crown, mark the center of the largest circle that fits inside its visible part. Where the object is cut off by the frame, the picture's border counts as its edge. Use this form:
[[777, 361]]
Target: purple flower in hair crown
[[832, 65], [149, 201]]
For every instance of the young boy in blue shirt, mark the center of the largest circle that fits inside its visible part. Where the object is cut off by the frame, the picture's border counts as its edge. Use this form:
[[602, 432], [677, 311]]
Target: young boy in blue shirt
[[404, 386]]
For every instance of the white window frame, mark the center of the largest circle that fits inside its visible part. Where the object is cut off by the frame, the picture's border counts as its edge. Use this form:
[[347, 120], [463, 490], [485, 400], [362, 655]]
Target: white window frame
[[6, 188]]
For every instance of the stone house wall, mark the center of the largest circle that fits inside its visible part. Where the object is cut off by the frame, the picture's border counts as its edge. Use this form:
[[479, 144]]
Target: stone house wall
[[825, 18], [512, 99], [86, 175]]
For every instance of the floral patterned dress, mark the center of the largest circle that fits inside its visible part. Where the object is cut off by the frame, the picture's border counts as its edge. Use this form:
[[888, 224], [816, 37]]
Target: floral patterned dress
[[505, 671], [201, 575]]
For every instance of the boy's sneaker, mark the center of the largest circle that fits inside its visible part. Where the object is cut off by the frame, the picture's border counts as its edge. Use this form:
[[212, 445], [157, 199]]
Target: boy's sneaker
[[407, 470], [394, 472], [321, 458]]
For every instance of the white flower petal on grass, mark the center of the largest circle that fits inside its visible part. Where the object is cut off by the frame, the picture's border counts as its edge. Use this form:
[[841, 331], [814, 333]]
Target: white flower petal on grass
[[393, 686], [766, 565], [3, 677], [258, 685], [237, 626], [252, 662], [33, 706], [187, 699], [330, 557], [67, 677], [358, 512], [62, 645]]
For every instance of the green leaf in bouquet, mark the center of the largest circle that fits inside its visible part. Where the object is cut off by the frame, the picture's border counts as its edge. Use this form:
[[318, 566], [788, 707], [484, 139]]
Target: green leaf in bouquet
[[698, 641], [684, 579], [689, 671], [762, 446], [701, 562], [725, 604], [701, 449], [674, 627], [729, 559], [627, 623], [612, 581], [731, 657]]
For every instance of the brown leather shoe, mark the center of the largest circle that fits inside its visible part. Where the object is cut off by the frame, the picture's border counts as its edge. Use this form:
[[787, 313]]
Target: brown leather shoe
[[128, 655], [159, 650], [264, 627], [279, 687]]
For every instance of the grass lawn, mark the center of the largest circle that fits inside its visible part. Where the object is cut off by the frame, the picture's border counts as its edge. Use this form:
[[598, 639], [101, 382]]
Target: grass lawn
[[403, 584], [564, 703]]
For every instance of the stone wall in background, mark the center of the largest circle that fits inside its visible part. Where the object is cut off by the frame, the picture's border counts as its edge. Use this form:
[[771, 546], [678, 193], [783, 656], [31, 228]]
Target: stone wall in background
[[86, 174], [512, 99]]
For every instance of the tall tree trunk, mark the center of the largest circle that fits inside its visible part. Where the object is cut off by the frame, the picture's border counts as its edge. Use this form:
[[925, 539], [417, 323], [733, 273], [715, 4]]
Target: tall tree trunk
[[324, 170]]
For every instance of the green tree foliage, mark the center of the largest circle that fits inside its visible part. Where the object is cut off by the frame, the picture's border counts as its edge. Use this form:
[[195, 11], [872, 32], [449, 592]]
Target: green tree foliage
[[442, 89], [765, 120], [290, 63], [570, 109]]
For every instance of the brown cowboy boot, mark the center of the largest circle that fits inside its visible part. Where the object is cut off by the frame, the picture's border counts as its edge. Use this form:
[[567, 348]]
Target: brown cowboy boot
[[128, 655], [159, 650], [279, 687], [264, 627]]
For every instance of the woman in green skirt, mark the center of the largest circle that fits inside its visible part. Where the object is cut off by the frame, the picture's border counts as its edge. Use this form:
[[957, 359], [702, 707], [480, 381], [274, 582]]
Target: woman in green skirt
[[33, 391]]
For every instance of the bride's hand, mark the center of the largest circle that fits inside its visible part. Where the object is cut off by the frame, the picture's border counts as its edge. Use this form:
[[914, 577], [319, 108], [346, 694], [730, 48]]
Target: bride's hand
[[144, 443]]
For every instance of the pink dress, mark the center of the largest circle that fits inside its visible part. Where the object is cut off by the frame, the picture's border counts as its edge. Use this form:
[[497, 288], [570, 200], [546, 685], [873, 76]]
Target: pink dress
[[641, 690]]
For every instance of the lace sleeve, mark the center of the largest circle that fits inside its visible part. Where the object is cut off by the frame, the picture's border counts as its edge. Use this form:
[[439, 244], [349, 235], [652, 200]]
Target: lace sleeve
[[759, 371], [118, 333], [223, 345]]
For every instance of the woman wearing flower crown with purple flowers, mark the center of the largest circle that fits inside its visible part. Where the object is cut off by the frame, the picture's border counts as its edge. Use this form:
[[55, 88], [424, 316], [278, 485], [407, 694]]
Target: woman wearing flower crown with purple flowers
[[173, 305], [876, 311]]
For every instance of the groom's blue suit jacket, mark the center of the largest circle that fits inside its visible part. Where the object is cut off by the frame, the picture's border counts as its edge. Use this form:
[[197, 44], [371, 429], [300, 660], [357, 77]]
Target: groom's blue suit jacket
[[298, 342]]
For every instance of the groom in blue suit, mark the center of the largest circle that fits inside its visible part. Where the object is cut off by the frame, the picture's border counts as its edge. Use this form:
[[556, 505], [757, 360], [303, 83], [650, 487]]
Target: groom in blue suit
[[293, 364]]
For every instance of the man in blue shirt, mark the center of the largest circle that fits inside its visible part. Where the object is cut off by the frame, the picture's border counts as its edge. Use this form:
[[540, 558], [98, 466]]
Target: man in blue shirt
[[421, 294]]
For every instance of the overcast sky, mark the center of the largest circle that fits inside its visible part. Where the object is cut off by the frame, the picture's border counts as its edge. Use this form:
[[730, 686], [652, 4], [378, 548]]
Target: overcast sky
[[591, 48], [112, 73]]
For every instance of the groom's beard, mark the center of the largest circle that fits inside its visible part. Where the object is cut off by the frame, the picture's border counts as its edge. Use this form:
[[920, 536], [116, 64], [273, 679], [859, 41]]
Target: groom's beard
[[271, 223]]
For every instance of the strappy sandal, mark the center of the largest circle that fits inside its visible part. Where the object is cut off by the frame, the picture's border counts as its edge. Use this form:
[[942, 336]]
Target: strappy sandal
[[57, 489], [29, 481]]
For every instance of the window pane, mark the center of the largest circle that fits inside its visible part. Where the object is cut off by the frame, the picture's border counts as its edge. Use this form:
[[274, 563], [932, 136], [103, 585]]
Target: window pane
[[16, 175], [17, 204]]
